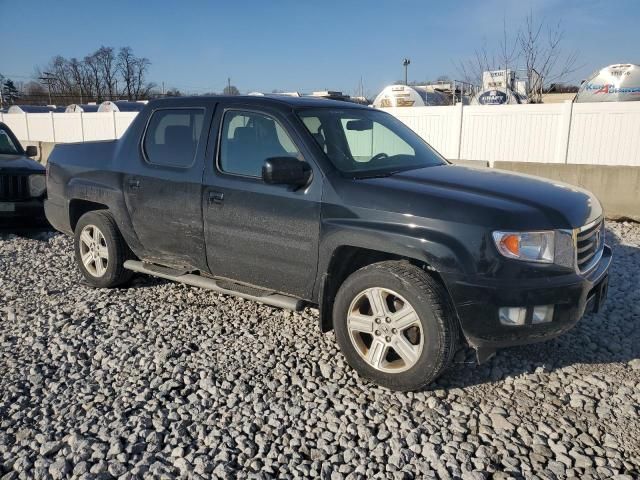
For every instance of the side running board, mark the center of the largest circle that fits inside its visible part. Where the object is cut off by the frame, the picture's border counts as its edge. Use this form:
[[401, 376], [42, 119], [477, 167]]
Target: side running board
[[268, 298]]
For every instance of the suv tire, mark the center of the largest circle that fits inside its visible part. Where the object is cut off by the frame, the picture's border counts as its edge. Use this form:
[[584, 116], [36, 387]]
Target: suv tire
[[395, 325], [100, 250]]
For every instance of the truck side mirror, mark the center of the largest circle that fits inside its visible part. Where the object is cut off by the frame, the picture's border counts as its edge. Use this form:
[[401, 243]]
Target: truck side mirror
[[31, 151], [286, 171]]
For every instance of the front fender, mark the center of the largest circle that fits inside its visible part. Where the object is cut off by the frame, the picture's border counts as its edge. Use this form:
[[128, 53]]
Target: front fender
[[442, 251]]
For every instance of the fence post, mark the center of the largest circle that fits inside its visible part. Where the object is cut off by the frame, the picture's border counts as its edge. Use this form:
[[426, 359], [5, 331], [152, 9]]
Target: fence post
[[457, 129], [26, 124], [562, 149], [115, 130], [82, 125], [53, 127]]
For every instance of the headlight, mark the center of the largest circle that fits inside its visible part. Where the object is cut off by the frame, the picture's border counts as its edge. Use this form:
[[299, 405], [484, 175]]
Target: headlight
[[37, 185], [526, 246]]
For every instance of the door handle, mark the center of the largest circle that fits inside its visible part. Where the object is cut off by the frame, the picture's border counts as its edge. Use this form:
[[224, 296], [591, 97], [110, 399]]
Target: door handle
[[216, 197], [134, 183]]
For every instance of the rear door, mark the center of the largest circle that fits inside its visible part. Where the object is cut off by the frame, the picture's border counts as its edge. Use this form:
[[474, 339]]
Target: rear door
[[163, 185], [264, 235]]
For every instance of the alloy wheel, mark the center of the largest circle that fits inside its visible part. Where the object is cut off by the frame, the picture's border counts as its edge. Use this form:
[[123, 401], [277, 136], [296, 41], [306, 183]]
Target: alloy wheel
[[93, 251], [385, 330]]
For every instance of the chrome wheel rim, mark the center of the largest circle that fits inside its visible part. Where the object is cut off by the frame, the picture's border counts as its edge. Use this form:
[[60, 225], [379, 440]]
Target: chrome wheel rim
[[385, 330], [94, 253]]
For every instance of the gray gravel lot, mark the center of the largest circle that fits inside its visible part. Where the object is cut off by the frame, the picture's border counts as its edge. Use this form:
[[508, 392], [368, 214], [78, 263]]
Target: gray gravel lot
[[164, 380]]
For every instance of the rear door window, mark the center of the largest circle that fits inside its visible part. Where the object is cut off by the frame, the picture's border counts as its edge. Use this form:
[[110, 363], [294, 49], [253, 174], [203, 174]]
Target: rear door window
[[172, 136]]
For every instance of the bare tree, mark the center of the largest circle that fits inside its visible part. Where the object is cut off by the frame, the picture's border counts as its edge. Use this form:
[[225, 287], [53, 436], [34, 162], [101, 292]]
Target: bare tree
[[506, 55], [471, 70], [537, 45], [107, 64], [133, 71], [142, 88], [59, 77], [34, 89], [543, 56], [76, 73], [173, 92], [231, 90], [94, 76], [126, 60]]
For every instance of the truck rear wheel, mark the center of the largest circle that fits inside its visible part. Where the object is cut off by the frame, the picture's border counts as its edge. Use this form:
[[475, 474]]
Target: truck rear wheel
[[100, 250], [395, 325]]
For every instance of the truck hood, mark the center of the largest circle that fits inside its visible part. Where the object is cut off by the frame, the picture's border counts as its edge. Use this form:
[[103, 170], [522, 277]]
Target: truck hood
[[503, 198], [19, 162]]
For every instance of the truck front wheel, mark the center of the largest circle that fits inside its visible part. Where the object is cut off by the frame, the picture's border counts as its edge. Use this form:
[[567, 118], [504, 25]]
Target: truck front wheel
[[395, 325], [100, 250]]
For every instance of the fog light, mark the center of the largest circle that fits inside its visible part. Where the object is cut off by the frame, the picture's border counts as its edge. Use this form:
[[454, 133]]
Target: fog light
[[512, 315], [542, 314]]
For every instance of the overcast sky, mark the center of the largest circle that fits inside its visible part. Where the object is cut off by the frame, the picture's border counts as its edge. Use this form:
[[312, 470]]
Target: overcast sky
[[303, 45]]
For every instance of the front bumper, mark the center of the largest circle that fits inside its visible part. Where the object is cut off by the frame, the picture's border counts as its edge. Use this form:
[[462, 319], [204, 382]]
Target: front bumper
[[26, 211], [477, 302], [58, 215]]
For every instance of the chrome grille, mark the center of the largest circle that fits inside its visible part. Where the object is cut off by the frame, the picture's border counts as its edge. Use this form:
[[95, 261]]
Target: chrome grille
[[589, 245], [14, 187]]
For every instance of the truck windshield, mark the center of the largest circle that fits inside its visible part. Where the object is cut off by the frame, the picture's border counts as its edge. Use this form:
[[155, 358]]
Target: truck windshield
[[7, 147], [364, 143]]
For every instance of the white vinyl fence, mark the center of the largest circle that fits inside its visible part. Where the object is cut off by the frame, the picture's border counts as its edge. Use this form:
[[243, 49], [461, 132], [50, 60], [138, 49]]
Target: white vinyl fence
[[585, 133], [68, 127], [580, 133]]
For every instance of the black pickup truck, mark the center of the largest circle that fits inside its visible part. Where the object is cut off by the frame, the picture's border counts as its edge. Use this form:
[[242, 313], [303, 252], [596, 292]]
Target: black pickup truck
[[298, 202]]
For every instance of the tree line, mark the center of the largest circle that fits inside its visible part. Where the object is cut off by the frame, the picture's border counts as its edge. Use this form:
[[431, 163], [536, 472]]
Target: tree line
[[105, 74]]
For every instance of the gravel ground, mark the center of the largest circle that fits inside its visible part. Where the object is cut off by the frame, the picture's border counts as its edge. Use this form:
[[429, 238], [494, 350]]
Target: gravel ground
[[164, 380]]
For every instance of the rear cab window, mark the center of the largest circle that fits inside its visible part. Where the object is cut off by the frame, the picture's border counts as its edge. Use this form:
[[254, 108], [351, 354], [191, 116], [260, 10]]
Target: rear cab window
[[172, 136]]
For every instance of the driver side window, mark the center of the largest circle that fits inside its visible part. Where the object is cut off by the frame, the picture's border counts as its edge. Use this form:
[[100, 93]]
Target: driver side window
[[248, 139]]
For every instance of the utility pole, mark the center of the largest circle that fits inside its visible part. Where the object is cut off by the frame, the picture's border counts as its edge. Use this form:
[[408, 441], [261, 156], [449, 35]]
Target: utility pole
[[163, 89], [405, 64], [47, 78], [228, 85]]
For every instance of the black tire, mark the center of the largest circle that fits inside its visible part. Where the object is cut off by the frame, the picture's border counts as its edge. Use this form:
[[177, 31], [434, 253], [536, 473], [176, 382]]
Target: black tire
[[114, 274], [437, 320]]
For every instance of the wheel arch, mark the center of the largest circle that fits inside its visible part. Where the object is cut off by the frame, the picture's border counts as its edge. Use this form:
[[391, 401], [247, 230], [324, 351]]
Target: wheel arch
[[78, 207], [347, 259]]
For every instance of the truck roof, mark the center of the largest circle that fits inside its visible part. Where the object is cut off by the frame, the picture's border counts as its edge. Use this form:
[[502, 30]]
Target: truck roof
[[293, 102]]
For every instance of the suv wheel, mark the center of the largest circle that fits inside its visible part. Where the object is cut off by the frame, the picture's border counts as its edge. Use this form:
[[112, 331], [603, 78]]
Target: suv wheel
[[395, 325], [100, 250]]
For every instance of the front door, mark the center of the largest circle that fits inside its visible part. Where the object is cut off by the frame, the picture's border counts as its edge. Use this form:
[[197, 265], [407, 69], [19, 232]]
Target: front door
[[256, 233]]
